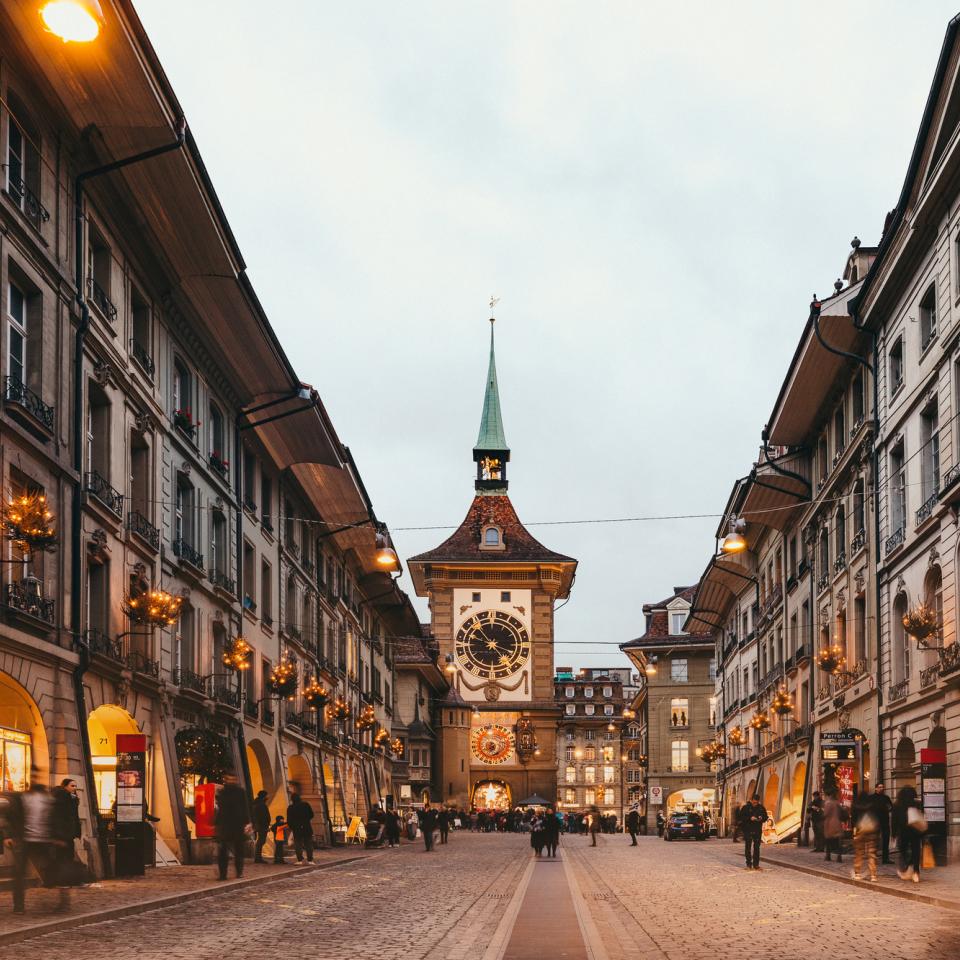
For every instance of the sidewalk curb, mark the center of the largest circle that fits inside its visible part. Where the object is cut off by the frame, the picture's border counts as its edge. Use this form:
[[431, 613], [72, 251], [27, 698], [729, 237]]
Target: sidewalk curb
[[865, 884], [145, 906]]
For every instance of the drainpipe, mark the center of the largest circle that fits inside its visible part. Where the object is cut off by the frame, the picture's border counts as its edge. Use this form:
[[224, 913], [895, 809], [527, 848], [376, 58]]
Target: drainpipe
[[76, 525]]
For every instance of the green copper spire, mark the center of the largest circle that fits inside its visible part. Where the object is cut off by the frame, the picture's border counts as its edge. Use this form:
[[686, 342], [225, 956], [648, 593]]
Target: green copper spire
[[491, 422]]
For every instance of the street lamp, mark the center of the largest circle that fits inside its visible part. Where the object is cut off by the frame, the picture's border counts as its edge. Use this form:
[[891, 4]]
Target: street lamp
[[734, 541], [386, 556], [78, 21]]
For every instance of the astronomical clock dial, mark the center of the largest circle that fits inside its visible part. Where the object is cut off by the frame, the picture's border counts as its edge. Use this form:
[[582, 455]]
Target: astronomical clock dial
[[492, 645], [493, 744]]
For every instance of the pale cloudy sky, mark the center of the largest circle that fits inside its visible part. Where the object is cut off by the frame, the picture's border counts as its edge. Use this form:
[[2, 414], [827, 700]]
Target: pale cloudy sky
[[653, 189]]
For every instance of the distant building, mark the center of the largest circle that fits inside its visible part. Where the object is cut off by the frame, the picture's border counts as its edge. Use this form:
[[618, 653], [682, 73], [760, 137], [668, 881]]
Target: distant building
[[676, 707]]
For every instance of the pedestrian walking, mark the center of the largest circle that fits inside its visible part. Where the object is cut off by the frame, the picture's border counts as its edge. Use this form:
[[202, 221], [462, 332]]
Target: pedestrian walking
[[444, 817], [835, 816], [738, 815], [660, 823], [594, 825], [909, 826], [393, 826], [551, 831], [280, 832], [230, 822], [300, 818], [754, 816], [866, 827], [428, 824], [815, 814], [633, 824], [883, 808], [260, 817]]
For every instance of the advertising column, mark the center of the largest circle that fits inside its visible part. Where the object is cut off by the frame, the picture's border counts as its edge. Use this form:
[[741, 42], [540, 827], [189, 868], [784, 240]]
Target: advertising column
[[131, 780], [933, 779]]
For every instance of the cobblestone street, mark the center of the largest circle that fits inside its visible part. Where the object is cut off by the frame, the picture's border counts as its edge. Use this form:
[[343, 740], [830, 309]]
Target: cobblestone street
[[482, 897]]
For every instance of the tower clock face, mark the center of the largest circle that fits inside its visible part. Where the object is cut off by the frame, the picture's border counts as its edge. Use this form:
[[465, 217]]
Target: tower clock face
[[492, 645]]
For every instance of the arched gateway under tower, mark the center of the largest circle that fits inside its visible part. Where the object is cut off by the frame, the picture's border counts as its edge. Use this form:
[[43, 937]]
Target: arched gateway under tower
[[492, 589]]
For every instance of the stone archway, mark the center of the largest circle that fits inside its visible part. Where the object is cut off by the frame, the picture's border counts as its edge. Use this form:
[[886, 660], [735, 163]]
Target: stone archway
[[261, 774], [771, 795], [23, 738], [492, 795], [937, 739], [904, 764], [299, 775], [103, 725]]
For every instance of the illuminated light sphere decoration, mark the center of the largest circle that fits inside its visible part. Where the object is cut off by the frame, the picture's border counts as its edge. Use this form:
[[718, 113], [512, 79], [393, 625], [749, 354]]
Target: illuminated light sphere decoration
[[920, 621], [782, 704], [396, 745], [367, 718], [282, 681], [315, 695], [719, 750], [28, 522], [760, 720], [338, 710], [153, 608], [831, 659], [707, 753], [238, 654], [735, 737]]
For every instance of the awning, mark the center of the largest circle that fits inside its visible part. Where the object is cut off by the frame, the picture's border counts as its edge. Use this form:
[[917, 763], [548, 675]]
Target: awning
[[724, 580], [773, 498]]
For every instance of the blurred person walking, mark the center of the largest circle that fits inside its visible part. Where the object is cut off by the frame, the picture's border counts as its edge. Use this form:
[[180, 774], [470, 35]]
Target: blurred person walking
[[909, 826], [633, 825], [444, 816], [835, 815], [816, 821], [428, 823], [551, 831], [230, 821], [883, 808], [866, 827], [261, 824], [393, 825], [594, 825]]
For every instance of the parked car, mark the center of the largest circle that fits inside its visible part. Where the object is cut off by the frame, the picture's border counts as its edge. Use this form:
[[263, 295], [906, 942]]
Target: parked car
[[685, 826]]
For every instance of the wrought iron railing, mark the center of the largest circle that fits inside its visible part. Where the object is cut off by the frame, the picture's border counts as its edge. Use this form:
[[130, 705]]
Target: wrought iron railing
[[184, 423], [823, 581], [309, 567], [929, 675], [219, 579], [103, 644], [137, 523], [219, 465], [951, 476], [268, 717], [101, 301], [140, 663], [859, 541], [142, 357], [224, 689], [899, 690], [188, 680], [187, 553], [17, 392], [251, 709], [895, 539], [857, 424], [950, 659], [926, 508], [97, 486], [28, 202], [292, 631], [840, 563], [267, 523], [26, 596]]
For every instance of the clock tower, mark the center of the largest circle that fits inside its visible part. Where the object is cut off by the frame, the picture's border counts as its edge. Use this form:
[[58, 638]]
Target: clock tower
[[492, 590]]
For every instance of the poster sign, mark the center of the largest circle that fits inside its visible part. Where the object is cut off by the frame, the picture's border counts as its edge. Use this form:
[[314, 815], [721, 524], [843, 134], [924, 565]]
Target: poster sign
[[656, 795], [844, 777], [131, 776], [933, 777], [204, 802]]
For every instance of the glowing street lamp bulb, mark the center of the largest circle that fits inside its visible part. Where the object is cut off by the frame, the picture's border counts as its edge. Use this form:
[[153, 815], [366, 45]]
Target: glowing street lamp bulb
[[72, 20]]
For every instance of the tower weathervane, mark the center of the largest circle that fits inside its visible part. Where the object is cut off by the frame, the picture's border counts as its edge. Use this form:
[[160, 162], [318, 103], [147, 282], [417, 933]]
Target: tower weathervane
[[493, 302]]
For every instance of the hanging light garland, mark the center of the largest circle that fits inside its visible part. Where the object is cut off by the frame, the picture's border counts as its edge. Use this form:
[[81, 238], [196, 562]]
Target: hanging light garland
[[153, 608], [736, 737], [831, 659], [29, 523], [920, 621], [238, 654], [760, 720], [283, 680], [396, 745], [719, 750], [315, 695], [367, 718], [782, 703], [707, 753], [338, 710]]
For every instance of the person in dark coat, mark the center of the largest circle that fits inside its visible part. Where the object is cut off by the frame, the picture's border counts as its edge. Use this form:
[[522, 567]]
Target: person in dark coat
[[738, 821], [393, 827], [444, 817], [633, 825], [428, 824], [754, 816], [230, 822], [660, 823], [261, 824], [300, 818], [882, 809], [909, 836], [551, 831], [816, 821]]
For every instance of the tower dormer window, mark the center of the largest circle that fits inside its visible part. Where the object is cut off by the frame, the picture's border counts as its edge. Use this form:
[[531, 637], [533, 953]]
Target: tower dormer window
[[491, 538]]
